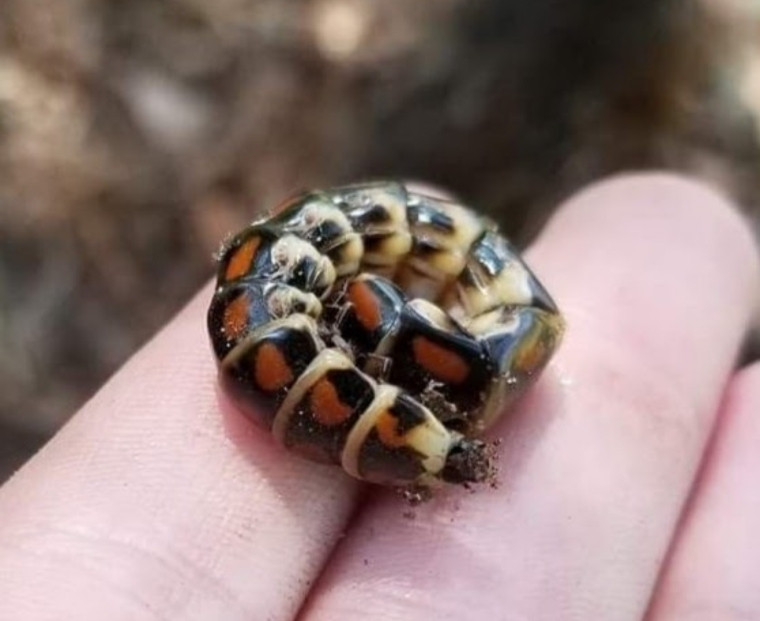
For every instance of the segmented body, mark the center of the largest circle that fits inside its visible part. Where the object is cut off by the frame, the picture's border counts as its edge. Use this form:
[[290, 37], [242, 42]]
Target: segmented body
[[380, 329]]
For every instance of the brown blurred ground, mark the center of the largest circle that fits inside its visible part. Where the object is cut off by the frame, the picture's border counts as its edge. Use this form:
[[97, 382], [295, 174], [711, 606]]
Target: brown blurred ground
[[133, 135]]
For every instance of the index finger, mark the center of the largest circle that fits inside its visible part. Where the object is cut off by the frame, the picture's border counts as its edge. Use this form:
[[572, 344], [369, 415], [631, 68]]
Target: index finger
[[151, 504]]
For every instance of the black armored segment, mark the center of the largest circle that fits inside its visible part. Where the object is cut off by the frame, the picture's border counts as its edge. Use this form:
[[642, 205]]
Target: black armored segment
[[443, 232], [446, 367], [522, 343], [236, 310], [315, 218], [323, 408], [370, 315], [385, 456], [520, 346], [260, 253], [260, 371], [495, 276], [378, 212], [244, 306]]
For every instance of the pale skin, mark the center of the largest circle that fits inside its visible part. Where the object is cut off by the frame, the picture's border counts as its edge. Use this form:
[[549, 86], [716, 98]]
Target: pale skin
[[629, 474]]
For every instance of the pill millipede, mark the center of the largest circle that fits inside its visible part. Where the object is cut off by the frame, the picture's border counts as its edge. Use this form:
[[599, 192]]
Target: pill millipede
[[380, 329]]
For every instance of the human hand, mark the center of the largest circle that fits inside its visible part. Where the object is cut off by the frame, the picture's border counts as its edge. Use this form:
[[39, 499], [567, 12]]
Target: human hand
[[158, 502]]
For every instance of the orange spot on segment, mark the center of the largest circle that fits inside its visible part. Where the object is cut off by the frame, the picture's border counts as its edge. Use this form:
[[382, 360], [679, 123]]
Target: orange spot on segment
[[366, 304], [387, 430], [271, 370], [235, 317], [530, 357], [439, 361], [326, 406], [241, 259]]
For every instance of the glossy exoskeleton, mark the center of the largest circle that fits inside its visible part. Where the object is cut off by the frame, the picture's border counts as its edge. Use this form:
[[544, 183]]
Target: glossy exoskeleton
[[379, 329]]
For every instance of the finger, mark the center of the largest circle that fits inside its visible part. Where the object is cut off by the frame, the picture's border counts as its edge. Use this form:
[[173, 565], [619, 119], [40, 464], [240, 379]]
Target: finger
[[714, 568], [153, 504], [655, 275]]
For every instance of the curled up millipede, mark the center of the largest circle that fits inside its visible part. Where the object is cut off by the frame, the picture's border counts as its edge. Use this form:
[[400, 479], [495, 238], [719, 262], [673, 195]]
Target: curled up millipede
[[379, 329]]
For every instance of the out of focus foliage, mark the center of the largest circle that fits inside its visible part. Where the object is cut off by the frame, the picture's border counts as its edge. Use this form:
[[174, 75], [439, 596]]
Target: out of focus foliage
[[133, 135]]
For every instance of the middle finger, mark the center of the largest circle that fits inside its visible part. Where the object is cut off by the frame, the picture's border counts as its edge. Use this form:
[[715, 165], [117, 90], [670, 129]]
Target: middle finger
[[655, 275]]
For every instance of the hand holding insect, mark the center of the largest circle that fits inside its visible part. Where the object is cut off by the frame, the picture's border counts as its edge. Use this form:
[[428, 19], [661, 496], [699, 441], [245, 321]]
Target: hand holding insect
[[151, 505]]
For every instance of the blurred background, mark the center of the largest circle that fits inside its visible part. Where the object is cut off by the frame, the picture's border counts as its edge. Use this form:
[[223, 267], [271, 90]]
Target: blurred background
[[134, 135]]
